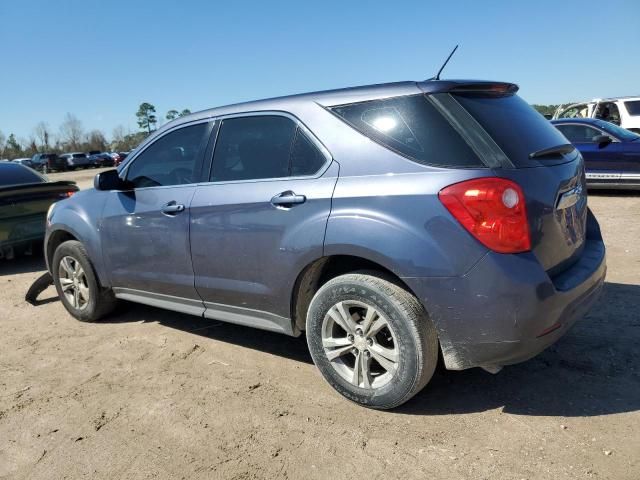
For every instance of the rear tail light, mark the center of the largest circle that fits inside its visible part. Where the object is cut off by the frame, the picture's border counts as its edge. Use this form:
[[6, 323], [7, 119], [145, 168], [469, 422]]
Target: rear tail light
[[492, 210], [67, 194]]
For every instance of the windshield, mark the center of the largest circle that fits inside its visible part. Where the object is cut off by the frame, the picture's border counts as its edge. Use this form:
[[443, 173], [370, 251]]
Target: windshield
[[621, 133]]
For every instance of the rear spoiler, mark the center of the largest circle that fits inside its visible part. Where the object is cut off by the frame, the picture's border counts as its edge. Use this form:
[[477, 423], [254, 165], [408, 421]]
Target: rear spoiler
[[26, 188], [468, 87]]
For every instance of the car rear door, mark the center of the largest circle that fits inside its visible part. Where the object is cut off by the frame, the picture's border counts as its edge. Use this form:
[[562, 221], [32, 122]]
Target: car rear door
[[260, 219], [145, 230]]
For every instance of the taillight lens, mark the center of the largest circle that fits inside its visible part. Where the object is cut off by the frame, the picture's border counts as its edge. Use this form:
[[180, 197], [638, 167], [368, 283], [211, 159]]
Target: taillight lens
[[67, 194], [492, 210]]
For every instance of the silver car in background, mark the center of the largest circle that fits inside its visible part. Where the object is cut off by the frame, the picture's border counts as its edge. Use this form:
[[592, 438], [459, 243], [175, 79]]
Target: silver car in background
[[75, 160]]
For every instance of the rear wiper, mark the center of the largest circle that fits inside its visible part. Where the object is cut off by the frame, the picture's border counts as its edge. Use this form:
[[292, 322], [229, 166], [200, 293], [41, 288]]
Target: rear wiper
[[559, 149]]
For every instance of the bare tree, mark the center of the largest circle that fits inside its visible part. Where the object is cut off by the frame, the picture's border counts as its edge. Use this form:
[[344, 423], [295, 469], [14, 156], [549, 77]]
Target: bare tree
[[118, 134], [43, 135], [96, 141], [71, 131]]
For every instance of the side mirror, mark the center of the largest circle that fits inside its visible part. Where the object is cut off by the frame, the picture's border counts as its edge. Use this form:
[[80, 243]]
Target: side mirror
[[110, 180], [602, 140]]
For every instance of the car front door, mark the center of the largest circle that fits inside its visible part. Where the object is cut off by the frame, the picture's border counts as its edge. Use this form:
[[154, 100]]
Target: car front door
[[145, 230], [260, 219]]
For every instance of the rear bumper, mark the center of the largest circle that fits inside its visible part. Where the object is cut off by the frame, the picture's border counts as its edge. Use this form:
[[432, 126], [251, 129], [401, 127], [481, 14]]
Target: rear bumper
[[507, 309]]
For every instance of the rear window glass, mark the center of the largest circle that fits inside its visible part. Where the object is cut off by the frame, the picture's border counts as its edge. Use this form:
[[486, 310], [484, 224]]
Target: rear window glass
[[13, 174], [514, 125], [412, 127], [79, 155], [633, 107]]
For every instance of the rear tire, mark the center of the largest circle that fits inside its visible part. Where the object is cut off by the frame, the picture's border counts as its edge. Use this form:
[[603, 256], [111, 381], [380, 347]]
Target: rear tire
[[77, 284], [371, 340]]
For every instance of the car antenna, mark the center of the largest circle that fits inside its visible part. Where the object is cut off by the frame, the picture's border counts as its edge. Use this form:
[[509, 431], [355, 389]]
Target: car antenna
[[437, 77]]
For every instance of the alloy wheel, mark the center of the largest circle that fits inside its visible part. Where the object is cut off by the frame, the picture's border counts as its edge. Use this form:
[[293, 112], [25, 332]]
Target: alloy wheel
[[360, 344], [73, 282]]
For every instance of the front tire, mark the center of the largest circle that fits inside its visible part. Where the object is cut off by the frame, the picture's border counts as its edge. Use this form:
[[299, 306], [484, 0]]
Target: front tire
[[371, 339], [77, 284]]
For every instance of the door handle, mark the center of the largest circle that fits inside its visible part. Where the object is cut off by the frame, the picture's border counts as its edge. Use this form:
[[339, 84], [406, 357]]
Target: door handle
[[172, 208], [288, 199]]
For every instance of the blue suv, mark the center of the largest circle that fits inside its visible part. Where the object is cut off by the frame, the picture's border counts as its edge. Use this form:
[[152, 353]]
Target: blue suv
[[388, 223]]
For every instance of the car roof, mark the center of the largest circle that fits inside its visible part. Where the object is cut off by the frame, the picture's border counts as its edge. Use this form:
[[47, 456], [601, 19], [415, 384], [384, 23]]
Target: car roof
[[613, 99], [328, 98]]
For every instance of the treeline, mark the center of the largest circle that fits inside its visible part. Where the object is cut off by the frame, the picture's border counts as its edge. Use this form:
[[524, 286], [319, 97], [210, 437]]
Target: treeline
[[71, 136], [547, 109]]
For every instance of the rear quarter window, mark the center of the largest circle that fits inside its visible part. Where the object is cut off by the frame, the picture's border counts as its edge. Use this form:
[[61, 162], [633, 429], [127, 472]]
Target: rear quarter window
[[412, 127]]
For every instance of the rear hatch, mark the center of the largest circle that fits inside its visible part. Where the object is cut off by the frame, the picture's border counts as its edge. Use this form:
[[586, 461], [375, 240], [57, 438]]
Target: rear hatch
[[549, 170]]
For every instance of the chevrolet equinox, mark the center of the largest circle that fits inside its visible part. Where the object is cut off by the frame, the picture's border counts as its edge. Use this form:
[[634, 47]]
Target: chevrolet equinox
[[388, 223]]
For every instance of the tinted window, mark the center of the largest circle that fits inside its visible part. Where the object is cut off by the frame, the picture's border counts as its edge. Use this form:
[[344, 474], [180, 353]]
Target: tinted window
[[14, 174], [170, 160], [412, 127], [608, 112], [514, 125], [306, 158], [633, 107], [578, 133], [250, 148], [79, 155]]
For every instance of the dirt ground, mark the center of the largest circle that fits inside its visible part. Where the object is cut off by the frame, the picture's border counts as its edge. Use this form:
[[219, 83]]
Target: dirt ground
[[154, 394]]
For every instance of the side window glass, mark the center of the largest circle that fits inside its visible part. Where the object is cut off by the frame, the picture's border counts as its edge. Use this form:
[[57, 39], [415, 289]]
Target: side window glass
[[608, 112], [306, 158], [412, 127], [578, 133], [251, 148], [170, 160], [388, 121]]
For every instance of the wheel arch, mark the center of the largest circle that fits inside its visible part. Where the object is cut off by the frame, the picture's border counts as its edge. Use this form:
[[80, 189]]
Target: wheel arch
[[321, 270], [58, 234]]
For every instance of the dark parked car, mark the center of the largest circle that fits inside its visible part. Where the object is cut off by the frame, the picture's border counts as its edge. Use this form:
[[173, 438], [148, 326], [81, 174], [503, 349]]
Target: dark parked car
[[25, 196], [101, 160], [50, 160], [388, 223], [75, 160], [611, 153]]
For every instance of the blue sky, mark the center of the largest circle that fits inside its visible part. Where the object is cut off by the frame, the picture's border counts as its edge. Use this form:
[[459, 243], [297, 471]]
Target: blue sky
[[101, 59]]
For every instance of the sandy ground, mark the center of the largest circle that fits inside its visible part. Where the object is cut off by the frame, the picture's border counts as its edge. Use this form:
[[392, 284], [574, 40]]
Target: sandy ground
[[154, 394]]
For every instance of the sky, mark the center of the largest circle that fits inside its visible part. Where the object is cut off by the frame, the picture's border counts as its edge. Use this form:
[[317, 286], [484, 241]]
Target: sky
[[100, 59]]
